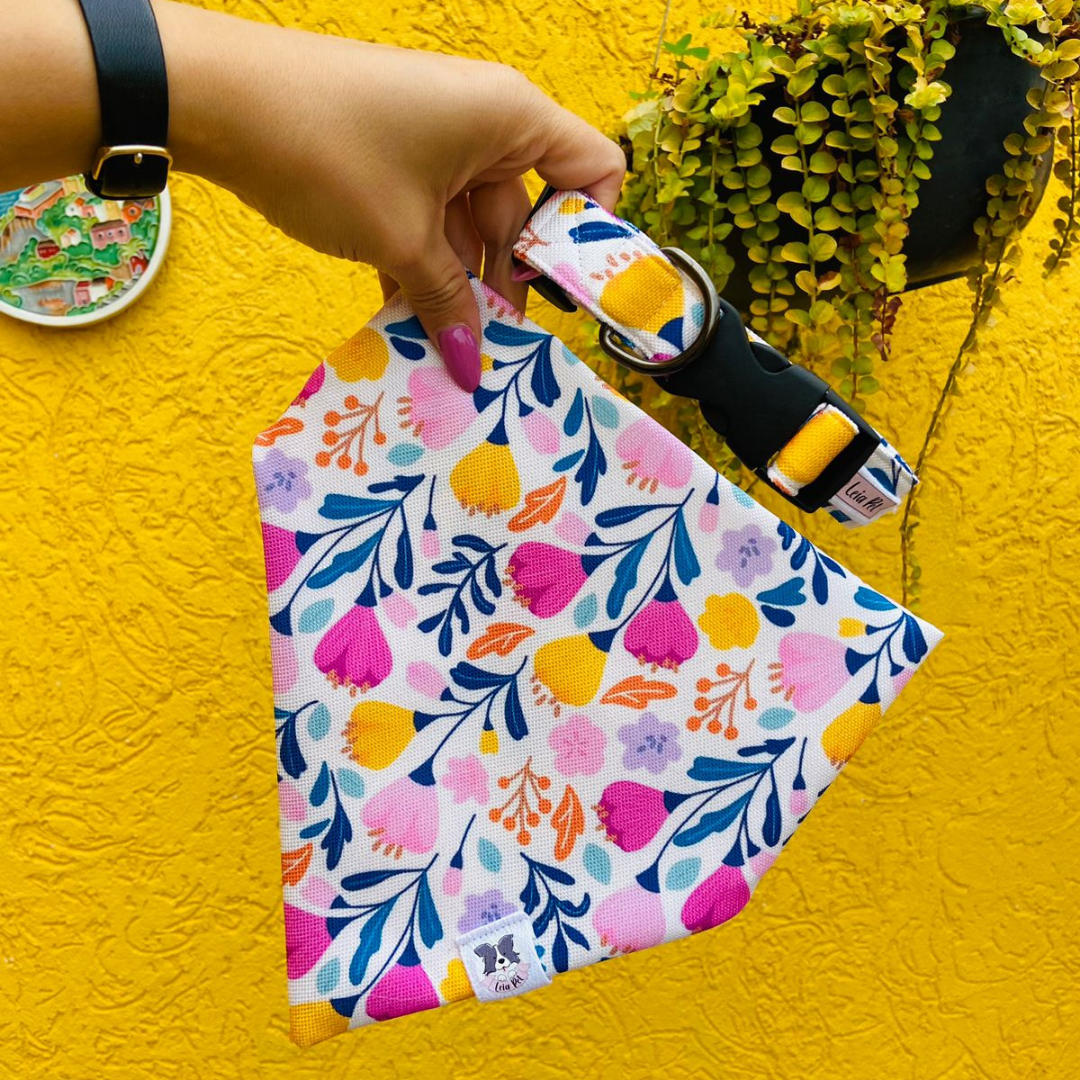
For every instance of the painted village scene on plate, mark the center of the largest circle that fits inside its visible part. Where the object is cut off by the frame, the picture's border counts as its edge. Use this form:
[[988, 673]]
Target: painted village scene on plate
[[64, 252]]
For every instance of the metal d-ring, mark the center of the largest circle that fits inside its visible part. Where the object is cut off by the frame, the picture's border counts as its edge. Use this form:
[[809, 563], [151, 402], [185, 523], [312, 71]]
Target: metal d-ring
[[612, 343]]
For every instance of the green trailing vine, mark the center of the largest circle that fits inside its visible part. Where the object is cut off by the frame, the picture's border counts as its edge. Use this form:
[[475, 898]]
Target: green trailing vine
[[703, 177]]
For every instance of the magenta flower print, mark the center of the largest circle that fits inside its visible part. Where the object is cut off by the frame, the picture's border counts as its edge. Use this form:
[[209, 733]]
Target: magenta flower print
[[484, 908], [811, 671], [306, 939], [467, 779], [281, 481], [632, 813], [630, 920], [545, 578], [436, 409], [746, 554], [651, 744], [282, 555], [312, 386], [402, 990], [354, 652], [403, 817], [661, 634], [579, 746], [720, 897]]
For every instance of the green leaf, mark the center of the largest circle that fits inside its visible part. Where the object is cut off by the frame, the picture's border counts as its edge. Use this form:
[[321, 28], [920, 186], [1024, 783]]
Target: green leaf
[[822, 247], [813, 112], [795, 252]]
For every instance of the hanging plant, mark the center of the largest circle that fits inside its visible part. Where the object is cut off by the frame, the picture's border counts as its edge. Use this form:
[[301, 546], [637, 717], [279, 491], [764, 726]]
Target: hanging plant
[[801, 170]]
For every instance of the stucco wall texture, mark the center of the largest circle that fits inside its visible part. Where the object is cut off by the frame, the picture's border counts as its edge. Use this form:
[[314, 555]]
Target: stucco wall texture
[[923, 925]]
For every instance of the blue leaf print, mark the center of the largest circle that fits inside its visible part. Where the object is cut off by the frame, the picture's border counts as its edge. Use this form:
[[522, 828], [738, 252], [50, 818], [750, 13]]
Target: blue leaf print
[[672, 332], [370, 942], [292, 759], [711, 769], [686, 562], [321, 787], [914, 641], [589, 232], [502, 334], [770, 830], [345, 562], [871, 600], [431, 929], [409, 328], [514, 715], [625, 578], [565, 464], [778, 616], [789, 594], [343, 507], [620, 515], [309, 831], [411, 350], [545, 386], [575, 414], [856, 661], [403, 564], [338, 835], [369, 879], [715, 821]]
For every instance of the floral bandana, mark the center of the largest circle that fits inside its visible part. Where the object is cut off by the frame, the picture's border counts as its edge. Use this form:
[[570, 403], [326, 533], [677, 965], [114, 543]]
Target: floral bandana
[[535, 664]]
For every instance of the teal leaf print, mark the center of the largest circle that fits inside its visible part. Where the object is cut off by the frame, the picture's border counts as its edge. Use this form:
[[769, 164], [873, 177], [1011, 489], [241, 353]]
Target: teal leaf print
[[607, 416], [405, 454], [351, 783], [315, 616], [598, 863], [585, 612], [328, 976], [871, 600], [489, 855], [775, 718], [318, 724], [682, 874]]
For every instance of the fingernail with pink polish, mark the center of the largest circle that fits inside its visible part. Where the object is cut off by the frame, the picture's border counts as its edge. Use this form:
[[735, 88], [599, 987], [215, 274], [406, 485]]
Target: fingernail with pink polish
[[524, 273], [462, 355]]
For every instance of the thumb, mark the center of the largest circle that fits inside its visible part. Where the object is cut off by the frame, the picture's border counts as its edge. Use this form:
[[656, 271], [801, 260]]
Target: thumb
[[438, 289]]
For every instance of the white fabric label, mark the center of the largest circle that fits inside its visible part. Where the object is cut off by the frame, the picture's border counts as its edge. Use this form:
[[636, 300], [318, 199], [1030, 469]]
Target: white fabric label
[[501, 959]]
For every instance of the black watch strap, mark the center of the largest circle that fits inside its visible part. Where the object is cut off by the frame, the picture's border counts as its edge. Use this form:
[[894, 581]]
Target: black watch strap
[[133, 160]]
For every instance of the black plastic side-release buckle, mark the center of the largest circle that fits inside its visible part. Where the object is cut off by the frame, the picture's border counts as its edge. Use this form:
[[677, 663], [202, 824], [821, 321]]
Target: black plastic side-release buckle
[[757, 400]]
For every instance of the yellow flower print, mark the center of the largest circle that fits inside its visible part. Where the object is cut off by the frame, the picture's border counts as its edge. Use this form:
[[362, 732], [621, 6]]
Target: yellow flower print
[[486, 479], [846, 733], [377, 733], [363, 356], [730, 621], [456, 985], [852, 628], [648, 293], [489, 741], [573, 205], [569, 669], [310, 1024]]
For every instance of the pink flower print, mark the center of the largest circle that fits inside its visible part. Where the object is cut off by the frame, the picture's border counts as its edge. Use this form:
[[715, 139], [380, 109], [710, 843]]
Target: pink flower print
[[451, 882], [761, 862], [566, 275], [306, 939], [708, 517], [811, 671], [403, 817], [632, 813], [484, 908], [353, 652], [467, 779], [542, 434], [402, 990], [286, 668], [318, 892], [436, 409], [572, 529], [281, 481], [399, 609], [746, 554], [579, 746], [425, 679], [661, 633], [651, 743], [630, 920], [800, 802], [312, 386], [292, 802], [545, 578], [720, 897], [429, 543], [652, 456], [282, 555]]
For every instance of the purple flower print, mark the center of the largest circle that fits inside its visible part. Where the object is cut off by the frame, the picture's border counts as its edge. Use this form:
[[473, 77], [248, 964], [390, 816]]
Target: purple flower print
[[747, 554], [282, 481], [650, 744], [484, 908]]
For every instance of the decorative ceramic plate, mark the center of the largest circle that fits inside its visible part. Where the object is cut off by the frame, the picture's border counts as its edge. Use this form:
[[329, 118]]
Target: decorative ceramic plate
[[68, 258]]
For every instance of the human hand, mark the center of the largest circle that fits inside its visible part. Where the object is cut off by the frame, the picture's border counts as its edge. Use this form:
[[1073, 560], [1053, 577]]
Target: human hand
[[409, 161]]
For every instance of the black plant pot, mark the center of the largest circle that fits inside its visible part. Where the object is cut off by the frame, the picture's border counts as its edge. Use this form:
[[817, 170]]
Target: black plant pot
[[988, 103]]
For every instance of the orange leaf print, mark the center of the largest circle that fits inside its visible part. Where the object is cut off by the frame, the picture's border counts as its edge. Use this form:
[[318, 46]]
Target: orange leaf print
[[637, 691], [501, 638], [294, 864], [568, 821], [287, 425], [541, 506]]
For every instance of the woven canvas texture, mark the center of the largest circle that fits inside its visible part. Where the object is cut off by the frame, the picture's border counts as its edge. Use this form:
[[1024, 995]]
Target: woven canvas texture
[[530, 653]]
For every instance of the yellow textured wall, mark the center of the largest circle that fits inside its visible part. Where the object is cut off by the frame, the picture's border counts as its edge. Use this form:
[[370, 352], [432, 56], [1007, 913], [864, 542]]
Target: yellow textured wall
[[923, 925]]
